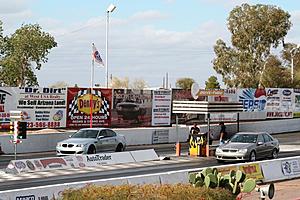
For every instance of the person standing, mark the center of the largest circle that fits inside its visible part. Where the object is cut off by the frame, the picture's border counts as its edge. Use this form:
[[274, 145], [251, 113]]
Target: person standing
[[223, 133], [195, 129]]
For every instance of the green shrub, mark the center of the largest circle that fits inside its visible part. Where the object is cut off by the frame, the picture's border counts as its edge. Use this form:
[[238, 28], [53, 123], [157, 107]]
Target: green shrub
[[147, 192]]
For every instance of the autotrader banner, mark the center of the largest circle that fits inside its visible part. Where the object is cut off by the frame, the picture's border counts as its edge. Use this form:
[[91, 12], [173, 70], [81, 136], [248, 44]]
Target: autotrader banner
[[78, 108], [161, 107], [42, 107]]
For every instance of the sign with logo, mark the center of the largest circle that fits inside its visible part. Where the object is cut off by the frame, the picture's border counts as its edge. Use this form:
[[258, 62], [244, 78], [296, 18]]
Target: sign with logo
[[254, 100], [81, 102], [161, 107], [42, 107], [280, 102], [290, 167]]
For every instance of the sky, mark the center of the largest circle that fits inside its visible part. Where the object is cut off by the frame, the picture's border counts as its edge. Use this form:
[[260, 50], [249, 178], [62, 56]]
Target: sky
[[147, 39]]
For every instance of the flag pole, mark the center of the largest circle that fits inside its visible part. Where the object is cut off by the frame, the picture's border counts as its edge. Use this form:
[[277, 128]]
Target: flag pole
[[91, 90]]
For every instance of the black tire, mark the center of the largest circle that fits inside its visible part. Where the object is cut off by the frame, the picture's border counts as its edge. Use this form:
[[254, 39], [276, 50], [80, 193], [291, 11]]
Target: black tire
[[91, 150], [274, 154], [119, 147], [252, 156], [220, 161]]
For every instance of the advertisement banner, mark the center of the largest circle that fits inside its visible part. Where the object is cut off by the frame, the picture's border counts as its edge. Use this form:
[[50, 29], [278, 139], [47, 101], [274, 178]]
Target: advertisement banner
[[297, 103], [42, 107], [221, 117], [251, 170], [131, 108], [254, 100], [7, 103], [161, 107], [230, 95], [79, 109], [290, 167], [280, 102]]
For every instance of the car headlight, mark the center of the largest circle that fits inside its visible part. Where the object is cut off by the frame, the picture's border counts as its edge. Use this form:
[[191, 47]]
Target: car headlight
[[242, 151], [80, 145], [218, 150], [58, 144]]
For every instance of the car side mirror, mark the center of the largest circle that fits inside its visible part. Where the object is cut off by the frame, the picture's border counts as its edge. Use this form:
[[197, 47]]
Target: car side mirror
[[100, 137], [260, 143]]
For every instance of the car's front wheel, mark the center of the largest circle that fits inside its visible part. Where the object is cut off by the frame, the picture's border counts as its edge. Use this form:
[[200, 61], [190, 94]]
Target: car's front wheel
[[220, 161], [252, 156], [274, 154], [91, 150]]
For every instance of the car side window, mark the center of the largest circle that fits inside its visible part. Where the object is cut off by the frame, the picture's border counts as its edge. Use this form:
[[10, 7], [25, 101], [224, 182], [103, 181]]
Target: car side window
[[260, 139], [267, 138], [103, 133], [110, 133]]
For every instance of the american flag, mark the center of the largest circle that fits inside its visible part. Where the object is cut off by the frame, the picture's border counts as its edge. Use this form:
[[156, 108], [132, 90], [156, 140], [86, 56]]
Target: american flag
[[96, 56]]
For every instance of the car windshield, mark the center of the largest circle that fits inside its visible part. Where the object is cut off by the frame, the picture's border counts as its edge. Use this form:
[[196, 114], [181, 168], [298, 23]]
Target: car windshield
[[244, 138], [85, 134]]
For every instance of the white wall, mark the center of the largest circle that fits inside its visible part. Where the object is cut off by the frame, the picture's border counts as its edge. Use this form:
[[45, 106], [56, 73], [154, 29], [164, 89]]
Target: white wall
[[140, 136]]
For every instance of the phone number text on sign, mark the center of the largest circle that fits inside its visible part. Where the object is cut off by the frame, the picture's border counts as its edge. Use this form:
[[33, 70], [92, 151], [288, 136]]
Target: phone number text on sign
[[43, 124]]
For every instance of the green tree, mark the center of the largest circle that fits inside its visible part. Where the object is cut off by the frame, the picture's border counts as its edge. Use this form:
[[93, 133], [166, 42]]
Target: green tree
[[275, 75], [255, 30], [185, 83], [292, 51], [212, 83], [24, 51]]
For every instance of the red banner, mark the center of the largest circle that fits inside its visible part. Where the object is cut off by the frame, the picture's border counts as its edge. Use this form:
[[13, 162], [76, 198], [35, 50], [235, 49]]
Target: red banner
[[79, 107]]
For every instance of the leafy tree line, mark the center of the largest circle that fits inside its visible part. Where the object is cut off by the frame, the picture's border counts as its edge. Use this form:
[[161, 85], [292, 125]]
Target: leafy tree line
[[255, 30], [22, 53]]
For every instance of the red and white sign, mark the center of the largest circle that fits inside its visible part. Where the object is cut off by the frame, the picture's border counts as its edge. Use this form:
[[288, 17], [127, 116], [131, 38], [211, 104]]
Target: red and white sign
[[79, 108], [161, 107]]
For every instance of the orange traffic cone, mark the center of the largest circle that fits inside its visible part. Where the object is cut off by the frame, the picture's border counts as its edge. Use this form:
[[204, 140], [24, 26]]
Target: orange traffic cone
[[178, 149]]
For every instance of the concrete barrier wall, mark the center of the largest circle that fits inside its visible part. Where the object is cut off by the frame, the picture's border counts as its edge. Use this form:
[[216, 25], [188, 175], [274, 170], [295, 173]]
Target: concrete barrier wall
[[272, 170], [142, 136]]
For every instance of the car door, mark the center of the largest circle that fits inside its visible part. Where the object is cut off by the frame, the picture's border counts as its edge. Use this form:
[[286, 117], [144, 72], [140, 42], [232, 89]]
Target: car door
[[103, 142], [269, 144], [112, 140], [261, 148]]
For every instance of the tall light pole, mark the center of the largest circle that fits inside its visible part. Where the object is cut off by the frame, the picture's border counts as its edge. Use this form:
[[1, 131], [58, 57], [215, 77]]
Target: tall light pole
[[110, 9], [293, 53]]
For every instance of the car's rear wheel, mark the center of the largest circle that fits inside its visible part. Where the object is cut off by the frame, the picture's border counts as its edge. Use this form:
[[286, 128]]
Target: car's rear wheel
[[274, 154], [252, 156], [119, 147], [91, 150]]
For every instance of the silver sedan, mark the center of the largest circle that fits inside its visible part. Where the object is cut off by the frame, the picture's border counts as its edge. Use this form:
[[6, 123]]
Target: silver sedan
[[248, 146], [91, 141]]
